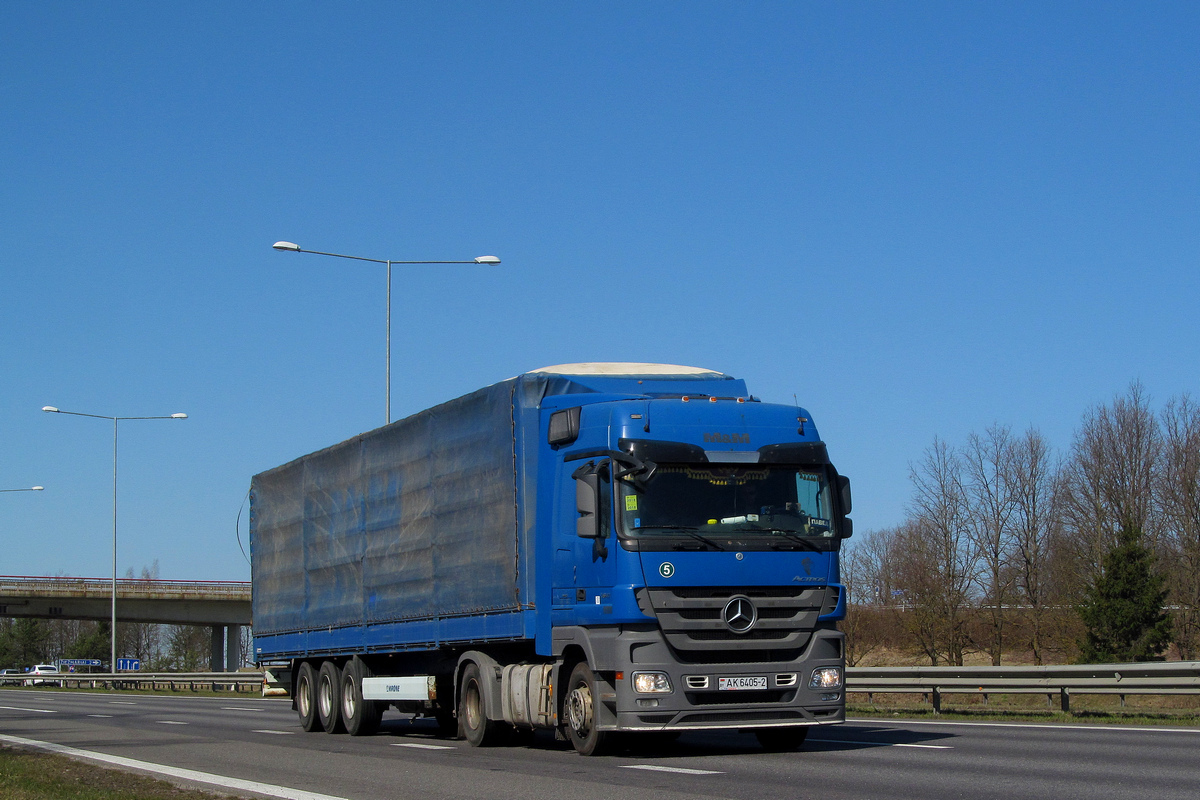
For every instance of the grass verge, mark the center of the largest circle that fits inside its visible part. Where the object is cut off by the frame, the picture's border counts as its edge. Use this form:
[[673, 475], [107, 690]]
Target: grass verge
[[33, 775]]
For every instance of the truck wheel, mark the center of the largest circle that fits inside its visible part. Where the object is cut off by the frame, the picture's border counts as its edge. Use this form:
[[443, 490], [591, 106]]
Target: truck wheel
[[580, 711], [360, 716], [306, 697], [473, 723], [781, 740], [329, 685]]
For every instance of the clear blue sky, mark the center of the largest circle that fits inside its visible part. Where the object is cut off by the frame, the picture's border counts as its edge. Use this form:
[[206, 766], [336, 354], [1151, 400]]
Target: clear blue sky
[[920, 219]]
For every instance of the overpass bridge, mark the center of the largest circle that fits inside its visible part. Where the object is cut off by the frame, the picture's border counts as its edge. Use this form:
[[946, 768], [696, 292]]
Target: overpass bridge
[[222, 605]]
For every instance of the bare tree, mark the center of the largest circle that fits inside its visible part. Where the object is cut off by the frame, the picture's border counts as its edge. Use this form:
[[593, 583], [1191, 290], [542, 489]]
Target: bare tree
[[987, 462], [1179, 498], [1032, 477], [939, 556], [1109, 481], [867, 566]]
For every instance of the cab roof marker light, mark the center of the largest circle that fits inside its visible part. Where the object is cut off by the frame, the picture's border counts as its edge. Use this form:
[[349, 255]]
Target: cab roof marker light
[[741, 399], [686, 399], [712, 399]]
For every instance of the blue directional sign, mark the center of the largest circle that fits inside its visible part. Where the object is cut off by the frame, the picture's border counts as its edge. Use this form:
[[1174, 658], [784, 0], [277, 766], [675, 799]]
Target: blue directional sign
[[80, 662], [131, 664]]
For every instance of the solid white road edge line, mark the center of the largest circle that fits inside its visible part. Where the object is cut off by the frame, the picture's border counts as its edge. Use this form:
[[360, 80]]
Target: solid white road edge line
[[1045, 726], [683, 770], [35, 710], [882, 744], [173, 772]]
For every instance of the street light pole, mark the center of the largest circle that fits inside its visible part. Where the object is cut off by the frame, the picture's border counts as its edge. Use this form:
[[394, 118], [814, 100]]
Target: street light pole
[[295, 248], [30, 489], [52, 410]]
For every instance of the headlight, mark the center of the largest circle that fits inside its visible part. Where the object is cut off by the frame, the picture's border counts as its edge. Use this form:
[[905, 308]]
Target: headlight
[[826, 678], [651, 683]]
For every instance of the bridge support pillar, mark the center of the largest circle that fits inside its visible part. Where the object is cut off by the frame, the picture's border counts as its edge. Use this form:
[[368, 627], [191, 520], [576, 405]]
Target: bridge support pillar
[[233, 648], [218, 649]]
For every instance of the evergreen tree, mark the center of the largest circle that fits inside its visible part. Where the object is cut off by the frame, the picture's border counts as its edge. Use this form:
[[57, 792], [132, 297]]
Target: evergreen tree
[[94, 644], [1123, 608]]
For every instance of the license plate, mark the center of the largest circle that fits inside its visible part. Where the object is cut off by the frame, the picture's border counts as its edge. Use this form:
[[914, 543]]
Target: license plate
[[741, 682]]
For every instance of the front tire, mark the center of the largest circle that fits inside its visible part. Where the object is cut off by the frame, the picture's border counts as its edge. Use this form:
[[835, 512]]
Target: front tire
[[306, 697], [329, 698], [360, 716], [581, 711]]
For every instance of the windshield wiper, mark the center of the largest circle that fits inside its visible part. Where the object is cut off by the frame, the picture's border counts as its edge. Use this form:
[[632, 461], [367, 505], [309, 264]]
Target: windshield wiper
[[682, 529], [792, 536]]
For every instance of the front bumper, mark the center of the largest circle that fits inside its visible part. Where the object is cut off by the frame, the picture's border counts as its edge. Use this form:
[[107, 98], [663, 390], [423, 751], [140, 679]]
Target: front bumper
[[697, 700]]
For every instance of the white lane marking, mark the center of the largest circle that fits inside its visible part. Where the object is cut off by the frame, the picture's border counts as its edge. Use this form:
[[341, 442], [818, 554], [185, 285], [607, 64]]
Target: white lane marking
[[174, 772], [121, 703], [683, 770], [36, 710], [423, 746], [1045, 726], [925, 746], [170, 722], [101, 716], [277, 733], [237, 708]]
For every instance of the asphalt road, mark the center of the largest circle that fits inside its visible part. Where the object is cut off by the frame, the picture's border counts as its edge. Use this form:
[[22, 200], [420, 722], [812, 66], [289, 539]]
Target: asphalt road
[[259, 740]]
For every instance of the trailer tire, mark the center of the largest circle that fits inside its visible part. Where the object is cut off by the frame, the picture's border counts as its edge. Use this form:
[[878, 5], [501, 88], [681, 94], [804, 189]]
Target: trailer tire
[[329, 701], [473, 722], [306, 697], [581, 714], [781, 740], [361, 717]]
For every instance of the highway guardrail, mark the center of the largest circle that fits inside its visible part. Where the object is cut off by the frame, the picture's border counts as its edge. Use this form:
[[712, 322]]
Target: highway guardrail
[[1148, 678]]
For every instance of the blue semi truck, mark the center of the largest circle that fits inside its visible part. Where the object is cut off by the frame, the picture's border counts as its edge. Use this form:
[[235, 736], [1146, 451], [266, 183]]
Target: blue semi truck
[[601, 549]]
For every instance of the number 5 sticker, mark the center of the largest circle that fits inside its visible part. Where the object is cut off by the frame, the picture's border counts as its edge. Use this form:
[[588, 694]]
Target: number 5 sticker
[[666, 569]]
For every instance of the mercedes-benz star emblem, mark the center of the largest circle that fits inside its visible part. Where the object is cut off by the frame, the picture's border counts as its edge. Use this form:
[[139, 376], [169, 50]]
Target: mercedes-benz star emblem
[[740, 614]]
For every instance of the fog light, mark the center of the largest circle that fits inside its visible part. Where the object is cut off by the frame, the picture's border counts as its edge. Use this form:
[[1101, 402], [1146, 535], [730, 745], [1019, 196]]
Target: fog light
[[826, 678], [648, 702], [829, 698], [651, 683]]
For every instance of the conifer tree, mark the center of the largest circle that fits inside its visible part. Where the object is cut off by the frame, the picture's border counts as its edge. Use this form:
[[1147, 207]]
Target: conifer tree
[[1123, 608]]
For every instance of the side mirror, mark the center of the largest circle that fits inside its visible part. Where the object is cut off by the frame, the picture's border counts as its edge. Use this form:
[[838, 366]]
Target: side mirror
[[587, 488], [847, 527], [564, 426], [844, 491]]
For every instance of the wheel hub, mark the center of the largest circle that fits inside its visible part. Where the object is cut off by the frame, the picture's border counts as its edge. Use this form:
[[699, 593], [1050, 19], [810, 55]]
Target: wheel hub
[[579, 710]]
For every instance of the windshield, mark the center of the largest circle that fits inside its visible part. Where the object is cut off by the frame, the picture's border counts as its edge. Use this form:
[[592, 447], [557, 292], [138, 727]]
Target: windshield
[[715, 502]]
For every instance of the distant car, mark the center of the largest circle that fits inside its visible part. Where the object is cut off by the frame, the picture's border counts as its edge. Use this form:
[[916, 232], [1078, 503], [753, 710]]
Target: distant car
[[7, 681], [43, 669]]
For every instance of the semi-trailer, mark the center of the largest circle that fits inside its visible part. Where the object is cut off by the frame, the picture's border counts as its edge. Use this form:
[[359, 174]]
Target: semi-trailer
[[603, 549]]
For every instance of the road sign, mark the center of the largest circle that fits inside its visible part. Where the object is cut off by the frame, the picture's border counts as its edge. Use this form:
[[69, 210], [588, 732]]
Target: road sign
[[80, 662], [131, 664]]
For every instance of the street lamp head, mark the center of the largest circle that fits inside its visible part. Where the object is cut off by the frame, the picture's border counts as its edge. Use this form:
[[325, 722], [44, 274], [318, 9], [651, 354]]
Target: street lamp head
[[179, 416], [489, 260], [37, 488], [287, 246], [50, 409]]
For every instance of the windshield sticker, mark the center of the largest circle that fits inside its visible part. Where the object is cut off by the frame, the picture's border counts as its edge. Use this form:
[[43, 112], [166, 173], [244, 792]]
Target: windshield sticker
[[631, 502]]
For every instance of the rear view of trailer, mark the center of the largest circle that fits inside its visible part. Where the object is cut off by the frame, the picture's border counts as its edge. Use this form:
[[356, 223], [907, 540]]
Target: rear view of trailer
[[403, 538]]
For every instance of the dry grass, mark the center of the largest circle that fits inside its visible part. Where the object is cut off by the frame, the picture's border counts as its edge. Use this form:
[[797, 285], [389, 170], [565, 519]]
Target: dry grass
[[34, 775]]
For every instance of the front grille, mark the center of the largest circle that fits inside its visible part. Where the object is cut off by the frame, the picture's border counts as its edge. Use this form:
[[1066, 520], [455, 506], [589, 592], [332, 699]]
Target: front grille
[[744, 697], [741, 716], [690, 618]]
